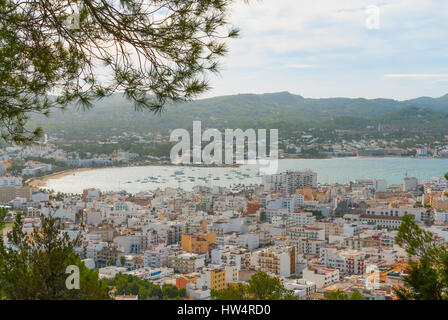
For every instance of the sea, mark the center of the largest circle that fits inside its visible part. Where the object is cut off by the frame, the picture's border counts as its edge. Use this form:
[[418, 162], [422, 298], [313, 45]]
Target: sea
[[334, 170]]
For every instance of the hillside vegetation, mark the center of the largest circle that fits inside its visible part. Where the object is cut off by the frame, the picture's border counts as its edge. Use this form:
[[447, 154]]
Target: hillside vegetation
[[274, 110]]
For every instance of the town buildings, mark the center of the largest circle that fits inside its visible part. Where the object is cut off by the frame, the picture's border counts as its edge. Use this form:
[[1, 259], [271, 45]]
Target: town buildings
[[288, 182], [211, 238]]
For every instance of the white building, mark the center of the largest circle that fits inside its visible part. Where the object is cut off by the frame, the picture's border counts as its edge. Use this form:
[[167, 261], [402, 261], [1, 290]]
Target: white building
[[307, 233], [381, 185], [310, 247], [9, 182], [410, 184], [322, 277], [346, 261], [289, 203], [302, 288], [110, 271], [157, 258], [231, 256], [287, 182], [197, 293], [32, 168], [390, 211], [279, 260], [302, 218]]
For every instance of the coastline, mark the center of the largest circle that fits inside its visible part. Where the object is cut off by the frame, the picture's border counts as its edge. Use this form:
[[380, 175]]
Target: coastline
[[42, 181]]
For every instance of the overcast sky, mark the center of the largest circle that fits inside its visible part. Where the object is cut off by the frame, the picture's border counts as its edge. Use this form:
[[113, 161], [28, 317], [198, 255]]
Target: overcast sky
[[332, 48]]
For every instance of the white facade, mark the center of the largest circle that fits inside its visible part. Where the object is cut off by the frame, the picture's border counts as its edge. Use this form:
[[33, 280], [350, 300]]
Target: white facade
[[410, 184], [418, 213], [381, 185], [346, 261], [110, 272], [9, 182], [302, 288], [321, 276], [289, 181], [302, 218]]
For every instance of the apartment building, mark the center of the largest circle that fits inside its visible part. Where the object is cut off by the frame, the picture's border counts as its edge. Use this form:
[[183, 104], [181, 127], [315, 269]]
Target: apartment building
[[303, 289], [392, 211], [10, 182], [358, 242], [157, 258], [410, 184], [307, 232], [288, 182], [249, 240], [307, 246], [302, 218], [131, 243], [10, 193], [322, 277], [290, 203], [108, 255], [34, 168], [382, 221], [279, 260], [231, 256], [331, 229], [166, 232], [348, 262], [187, 262], [213, 278]]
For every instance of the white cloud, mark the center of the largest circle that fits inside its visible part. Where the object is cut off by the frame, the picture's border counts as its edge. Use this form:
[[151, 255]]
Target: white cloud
[[286, 39], [300, 66], [416, 76]]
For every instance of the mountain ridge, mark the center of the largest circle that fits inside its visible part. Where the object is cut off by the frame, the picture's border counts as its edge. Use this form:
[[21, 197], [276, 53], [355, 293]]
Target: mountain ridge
[[269, 110]]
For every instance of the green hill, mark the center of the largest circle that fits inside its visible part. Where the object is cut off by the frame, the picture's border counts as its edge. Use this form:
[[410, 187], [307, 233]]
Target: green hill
[[281, 110]]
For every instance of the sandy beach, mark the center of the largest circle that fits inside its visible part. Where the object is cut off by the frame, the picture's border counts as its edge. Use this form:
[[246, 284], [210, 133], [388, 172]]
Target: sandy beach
[[41, 181]]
